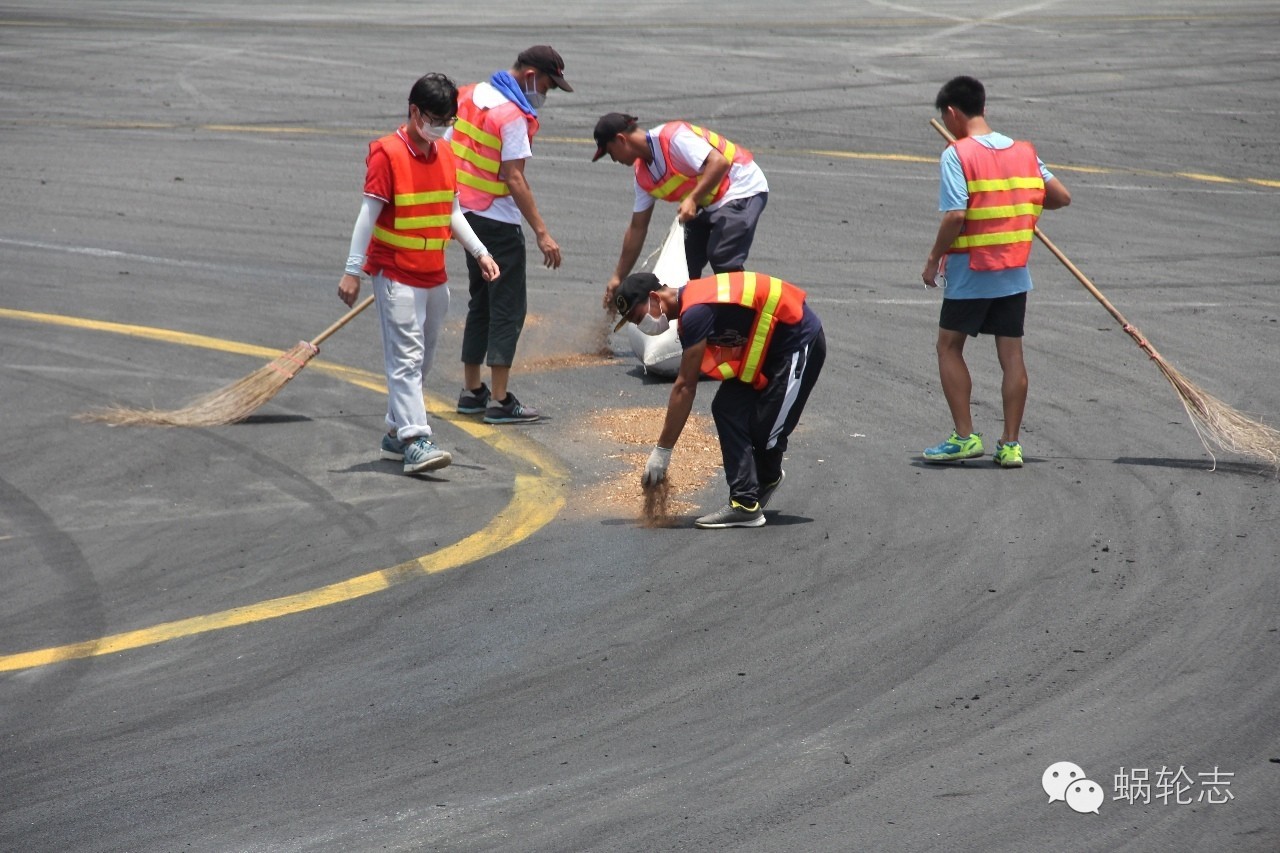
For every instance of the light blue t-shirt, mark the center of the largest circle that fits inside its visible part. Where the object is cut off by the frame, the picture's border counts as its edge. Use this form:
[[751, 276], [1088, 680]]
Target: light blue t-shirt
[[953, 194]]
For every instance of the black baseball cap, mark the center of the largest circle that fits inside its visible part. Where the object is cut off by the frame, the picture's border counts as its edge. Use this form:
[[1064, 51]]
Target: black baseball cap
[[544, 58], [634, 289], [609, 126]]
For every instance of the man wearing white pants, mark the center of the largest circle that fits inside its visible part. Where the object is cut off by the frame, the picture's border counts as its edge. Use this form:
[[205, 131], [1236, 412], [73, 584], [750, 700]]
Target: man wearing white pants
[[408, 215]]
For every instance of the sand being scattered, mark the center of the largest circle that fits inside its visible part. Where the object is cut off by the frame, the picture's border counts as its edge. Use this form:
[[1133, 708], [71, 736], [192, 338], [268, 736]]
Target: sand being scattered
[[633, 431]]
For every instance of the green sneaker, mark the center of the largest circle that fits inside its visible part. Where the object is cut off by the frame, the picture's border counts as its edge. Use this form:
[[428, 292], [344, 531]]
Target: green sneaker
[[955, 448], [1008, 455]]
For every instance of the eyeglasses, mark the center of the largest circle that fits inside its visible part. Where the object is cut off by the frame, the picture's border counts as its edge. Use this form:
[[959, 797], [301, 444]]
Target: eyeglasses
[[436, 121]]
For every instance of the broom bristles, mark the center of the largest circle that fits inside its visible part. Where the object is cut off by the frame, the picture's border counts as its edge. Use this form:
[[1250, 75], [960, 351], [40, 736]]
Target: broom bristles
[[227, 405], [1214, 420]]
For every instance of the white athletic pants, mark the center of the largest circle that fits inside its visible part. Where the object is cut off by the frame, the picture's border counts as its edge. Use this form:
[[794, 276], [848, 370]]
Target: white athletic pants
[[411, 319]]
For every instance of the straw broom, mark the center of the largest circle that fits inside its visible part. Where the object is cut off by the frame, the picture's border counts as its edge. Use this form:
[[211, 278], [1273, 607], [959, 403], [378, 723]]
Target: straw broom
[[236, 401], [1212, 419]]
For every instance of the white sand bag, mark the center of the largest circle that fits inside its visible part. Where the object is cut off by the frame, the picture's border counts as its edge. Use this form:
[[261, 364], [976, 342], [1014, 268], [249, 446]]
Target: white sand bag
[[661, 354]]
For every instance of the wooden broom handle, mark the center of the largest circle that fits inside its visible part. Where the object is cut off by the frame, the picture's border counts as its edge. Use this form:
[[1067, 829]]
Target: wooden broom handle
[[1075, 271], [342, 321]]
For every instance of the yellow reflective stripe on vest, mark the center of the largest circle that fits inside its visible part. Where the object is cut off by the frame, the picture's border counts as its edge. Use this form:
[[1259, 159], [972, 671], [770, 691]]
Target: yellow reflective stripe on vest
[[667, 187], [468, 129], [433, 197], [994, 184], [755, 350], [475, 158], [1003, 211], [709, 135], [491, 187], [725, 370], [729, 150], [748, 289], [406, 241], [722, 288], [999, 238], [415, 223]]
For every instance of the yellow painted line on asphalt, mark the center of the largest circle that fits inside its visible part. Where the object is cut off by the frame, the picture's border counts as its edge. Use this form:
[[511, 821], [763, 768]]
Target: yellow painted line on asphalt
[[369, 133], [861, 155], [250, 128], [146, 332], [1202, 177], [537, 497]]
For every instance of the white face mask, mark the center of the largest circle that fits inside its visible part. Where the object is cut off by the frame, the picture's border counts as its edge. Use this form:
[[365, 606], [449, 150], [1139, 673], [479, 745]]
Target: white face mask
[[430, 132], [535, 98], [652, 325]]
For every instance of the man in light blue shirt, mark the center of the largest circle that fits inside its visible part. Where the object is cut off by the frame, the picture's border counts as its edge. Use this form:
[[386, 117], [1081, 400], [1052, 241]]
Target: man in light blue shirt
[[979, 256]]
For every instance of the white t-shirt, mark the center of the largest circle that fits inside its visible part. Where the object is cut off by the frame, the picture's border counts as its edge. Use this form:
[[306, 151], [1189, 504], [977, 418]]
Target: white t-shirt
[[515, 146], [689, 151]]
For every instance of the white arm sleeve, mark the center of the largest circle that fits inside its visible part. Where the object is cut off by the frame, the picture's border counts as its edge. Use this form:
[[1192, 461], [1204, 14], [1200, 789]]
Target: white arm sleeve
[[370, 207], [464, 234]]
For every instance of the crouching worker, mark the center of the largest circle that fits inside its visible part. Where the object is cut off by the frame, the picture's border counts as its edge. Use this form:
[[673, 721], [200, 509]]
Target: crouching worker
[[755, 334]]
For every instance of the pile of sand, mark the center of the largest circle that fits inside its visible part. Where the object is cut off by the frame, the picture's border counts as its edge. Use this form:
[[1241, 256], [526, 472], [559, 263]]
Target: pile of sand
[[633, 432]]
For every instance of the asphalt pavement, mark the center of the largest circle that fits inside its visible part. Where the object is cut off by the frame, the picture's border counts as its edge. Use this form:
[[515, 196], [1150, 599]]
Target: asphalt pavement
[[261, 637]]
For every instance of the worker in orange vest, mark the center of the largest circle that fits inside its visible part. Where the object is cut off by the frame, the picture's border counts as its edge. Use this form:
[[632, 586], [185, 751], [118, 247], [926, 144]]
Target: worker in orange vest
[[717, 184], [756, 335], [409, 213], [493, 139], [993, 190]]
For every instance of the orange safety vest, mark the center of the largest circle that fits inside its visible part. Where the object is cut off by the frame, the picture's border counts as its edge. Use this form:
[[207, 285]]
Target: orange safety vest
[[421, 206], [1006, 195], [673, 186], [477, 143], [774, 301]]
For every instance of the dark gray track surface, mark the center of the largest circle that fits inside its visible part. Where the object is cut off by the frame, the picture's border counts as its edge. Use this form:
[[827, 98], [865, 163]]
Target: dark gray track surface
[[890, 664]]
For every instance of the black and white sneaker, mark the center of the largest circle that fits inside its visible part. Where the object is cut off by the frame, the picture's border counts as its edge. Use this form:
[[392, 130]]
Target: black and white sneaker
[[509, 411], [473, 402]]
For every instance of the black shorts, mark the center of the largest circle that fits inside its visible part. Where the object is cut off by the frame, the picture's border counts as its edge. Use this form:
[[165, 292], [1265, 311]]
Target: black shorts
[[1003, 316]]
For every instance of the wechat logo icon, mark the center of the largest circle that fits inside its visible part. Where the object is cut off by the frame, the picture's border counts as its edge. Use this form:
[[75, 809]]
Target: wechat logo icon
[[1066, 781]]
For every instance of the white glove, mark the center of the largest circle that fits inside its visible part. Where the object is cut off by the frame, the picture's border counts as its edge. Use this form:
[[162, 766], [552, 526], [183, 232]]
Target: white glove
[[655, 470]]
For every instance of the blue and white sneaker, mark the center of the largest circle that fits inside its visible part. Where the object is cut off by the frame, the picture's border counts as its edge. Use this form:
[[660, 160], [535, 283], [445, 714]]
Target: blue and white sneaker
[[392, 447], [955, 448], [422, 455]]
